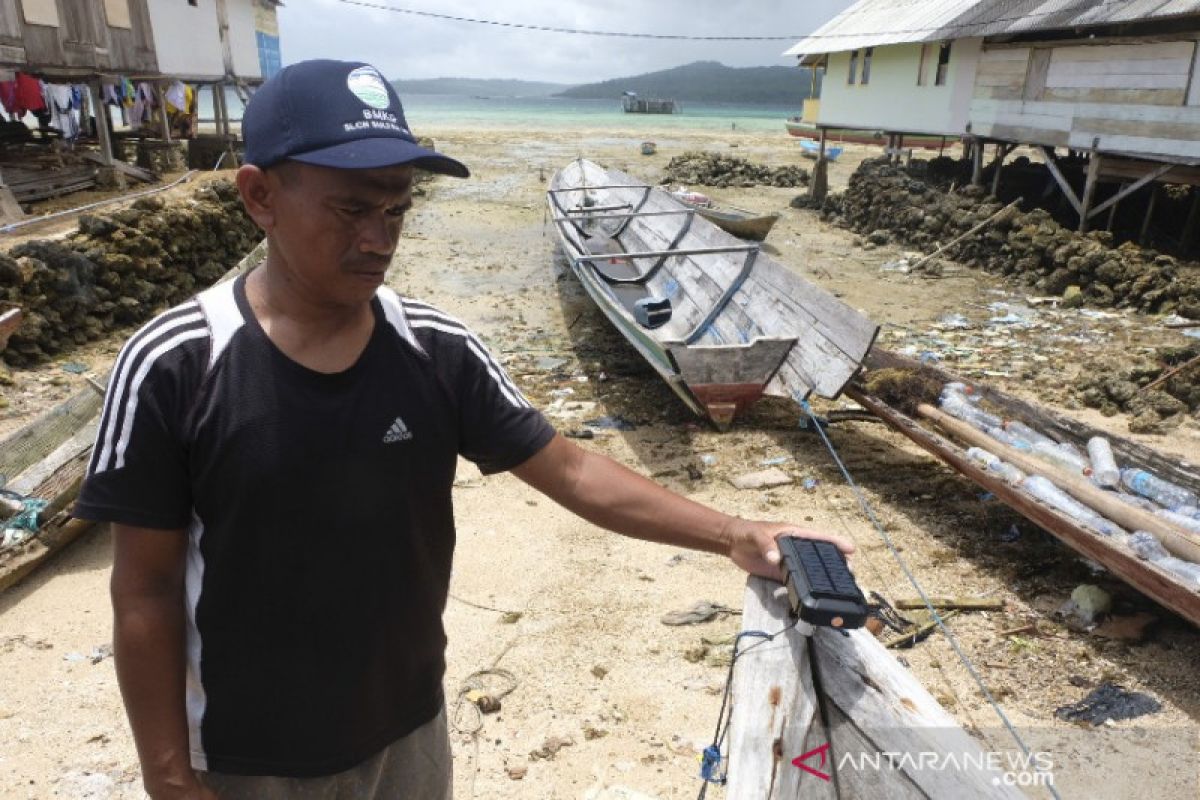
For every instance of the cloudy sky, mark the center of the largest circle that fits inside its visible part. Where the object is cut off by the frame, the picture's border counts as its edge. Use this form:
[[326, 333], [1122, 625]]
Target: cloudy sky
[[405, 46]]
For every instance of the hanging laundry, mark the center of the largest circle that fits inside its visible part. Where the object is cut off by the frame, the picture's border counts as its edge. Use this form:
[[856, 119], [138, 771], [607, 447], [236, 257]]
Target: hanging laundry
[[29, 94], [176, 97], [64, 115], [8, 98]]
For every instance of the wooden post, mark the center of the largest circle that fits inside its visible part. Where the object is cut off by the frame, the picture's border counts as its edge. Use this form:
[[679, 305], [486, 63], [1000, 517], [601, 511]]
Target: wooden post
[[1089, 190], [976, 162], [1193, 217], [10, 209], [102, 122], [1112, 210], [1149, 213], [161, 97], [820, 179], [997, 166]]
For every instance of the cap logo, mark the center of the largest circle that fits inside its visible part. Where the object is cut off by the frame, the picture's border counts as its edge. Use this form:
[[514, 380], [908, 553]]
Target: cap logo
[[368, 86]]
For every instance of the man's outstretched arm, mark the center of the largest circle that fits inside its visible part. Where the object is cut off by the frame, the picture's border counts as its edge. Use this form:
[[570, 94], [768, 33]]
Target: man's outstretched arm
[[609, 495], [148, 643]]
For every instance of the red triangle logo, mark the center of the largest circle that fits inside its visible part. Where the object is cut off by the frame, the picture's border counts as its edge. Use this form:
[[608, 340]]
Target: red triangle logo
[[823, 752]]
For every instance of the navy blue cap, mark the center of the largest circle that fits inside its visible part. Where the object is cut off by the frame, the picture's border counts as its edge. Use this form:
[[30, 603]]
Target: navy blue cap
[[339, 114]]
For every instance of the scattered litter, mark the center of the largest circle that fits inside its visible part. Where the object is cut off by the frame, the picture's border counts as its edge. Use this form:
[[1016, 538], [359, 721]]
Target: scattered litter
[[611, 422], [764, 479], [566, 391], [808, 484], [897, 265], [1108, 702], [772, 462], [953, 322], [1131, 628], [708, 459], [550, 748], [579, 433], [549, 363], [700, 611], [75, 368], [98, 654], [1087, 603]]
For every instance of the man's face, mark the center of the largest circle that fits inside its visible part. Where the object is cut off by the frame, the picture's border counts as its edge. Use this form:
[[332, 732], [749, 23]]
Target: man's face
[[336, 229]]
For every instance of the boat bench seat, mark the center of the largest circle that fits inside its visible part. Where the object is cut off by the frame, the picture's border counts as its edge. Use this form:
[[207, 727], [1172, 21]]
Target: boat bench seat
[[627, 282]]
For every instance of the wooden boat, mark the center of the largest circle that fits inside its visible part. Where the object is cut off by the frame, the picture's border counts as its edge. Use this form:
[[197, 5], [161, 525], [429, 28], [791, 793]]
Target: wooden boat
[[737, 221], [719, 320], [47, 459], [812, 714], [1163, 586], [812, 149]]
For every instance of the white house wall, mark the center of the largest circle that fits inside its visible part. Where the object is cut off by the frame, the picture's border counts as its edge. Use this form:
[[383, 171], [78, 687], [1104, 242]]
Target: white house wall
[[1130, 98], [186, 38], [892, 100], [242, 39]]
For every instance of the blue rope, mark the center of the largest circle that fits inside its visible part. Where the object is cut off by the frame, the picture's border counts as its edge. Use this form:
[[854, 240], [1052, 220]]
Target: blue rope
[[27, 518], [866, 507]]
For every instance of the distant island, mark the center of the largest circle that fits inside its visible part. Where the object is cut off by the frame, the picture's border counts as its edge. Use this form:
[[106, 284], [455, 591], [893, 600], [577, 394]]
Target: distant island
[[709, 82], [479, 87], [701, 81]]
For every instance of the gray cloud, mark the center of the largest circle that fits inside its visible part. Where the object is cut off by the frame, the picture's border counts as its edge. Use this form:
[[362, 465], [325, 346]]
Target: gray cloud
[[407, 46]]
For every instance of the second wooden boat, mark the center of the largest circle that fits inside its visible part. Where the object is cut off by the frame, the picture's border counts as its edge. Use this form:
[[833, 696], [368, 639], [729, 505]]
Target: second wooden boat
[[737, 221], [718, 319]]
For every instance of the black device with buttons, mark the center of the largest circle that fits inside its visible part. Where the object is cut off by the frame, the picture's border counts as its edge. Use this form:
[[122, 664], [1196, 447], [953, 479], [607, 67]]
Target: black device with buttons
[[821, 589]]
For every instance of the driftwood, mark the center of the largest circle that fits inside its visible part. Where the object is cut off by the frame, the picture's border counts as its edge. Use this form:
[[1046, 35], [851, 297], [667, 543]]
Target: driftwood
[[835, 704], [1166, 376], [1008, 209], [1160, 585]]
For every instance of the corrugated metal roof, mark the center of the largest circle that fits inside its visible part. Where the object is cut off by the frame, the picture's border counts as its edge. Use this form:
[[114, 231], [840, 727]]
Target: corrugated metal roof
[[872, 23]]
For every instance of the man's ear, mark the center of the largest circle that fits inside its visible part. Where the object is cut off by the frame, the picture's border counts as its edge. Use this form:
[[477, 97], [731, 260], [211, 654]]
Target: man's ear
[[259, 193]]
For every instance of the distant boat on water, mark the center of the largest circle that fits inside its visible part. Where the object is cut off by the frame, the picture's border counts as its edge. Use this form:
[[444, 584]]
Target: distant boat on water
[[632, 104]]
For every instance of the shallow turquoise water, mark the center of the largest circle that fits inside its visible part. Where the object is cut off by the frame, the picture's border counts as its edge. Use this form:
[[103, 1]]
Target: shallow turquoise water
[[424, 110]]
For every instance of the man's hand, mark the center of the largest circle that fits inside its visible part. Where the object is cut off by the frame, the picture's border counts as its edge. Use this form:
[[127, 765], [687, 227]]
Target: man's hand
[[752, 544]]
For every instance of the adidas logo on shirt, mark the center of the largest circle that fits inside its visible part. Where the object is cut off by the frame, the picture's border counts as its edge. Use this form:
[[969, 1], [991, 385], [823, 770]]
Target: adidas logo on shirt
[[398, 432]]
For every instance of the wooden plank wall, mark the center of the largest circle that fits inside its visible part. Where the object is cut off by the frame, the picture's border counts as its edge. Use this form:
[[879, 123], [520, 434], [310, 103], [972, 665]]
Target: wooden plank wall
[[83, 39], [1137, 97]]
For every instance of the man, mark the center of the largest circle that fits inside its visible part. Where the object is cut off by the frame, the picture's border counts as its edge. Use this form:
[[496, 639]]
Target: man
[[276, 457]]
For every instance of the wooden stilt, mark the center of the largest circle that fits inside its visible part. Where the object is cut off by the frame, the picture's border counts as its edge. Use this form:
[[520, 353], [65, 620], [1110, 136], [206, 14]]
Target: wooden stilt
[[820, 179], [103, 124], [1002, 150], [164, 121], [10, 209], [1149, 213], [1193, 217], [976, 162], [1089, 190], [1112, 210]]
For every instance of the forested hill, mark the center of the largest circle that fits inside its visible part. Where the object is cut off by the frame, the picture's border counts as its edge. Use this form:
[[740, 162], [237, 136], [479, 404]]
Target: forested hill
[[478, 87], [708, 82]]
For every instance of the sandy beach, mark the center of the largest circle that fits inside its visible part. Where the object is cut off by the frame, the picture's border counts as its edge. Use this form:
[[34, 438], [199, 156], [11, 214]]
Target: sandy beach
[[606, 702]]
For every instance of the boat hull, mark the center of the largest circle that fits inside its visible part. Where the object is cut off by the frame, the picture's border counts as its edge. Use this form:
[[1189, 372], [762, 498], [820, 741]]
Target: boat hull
[[729, 324]]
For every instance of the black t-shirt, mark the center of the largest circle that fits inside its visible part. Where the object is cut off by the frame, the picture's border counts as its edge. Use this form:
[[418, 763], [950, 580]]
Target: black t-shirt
[[319, 517]]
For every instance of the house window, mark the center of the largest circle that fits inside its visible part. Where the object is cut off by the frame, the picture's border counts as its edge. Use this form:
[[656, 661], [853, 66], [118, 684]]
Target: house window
[[866, 73], [853, 67], [923, 66], [117, 13], [40, 12], [943, 64]]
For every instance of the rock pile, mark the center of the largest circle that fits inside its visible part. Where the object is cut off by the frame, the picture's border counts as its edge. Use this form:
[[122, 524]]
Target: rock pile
[[1112, 390], [884, 200], [120, 268], [713, 169]]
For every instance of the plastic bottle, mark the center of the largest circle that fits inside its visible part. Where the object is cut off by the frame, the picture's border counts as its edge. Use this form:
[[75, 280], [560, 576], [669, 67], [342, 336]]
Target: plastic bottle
[[1137, 501], [962, 390], [1168, 495], [992, 463], [1053, 454], [1027, 433], [958, 406], [1047, 492], [1104, 466], [1003, 436], [1179, 520], [1147, 547]]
